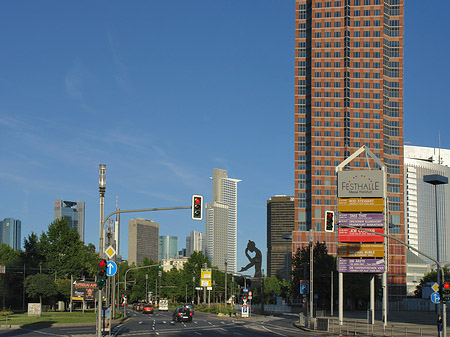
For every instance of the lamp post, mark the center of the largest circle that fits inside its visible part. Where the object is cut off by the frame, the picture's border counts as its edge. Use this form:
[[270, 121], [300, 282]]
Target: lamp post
[[101, 189], [436, 179]]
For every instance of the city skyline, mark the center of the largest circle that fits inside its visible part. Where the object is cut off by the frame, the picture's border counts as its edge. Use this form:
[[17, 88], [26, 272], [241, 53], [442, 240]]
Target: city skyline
[[136, 87]]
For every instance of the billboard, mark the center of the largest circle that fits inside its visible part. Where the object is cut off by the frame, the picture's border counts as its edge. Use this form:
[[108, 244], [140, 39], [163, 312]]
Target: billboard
[[361, 219], [361, 250], [84, 290], [355, 235], [360, 184], [375, 266], [361, 205]]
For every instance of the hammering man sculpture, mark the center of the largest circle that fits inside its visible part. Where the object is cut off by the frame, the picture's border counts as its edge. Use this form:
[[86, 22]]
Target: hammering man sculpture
[[255, 261]]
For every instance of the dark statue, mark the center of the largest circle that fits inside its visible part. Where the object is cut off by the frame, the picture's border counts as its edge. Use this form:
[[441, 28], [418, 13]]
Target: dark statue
[[255, 261]]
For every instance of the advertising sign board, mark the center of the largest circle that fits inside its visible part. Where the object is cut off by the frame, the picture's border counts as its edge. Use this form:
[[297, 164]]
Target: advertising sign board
[[361, 250], [361, 219], [355, 235], [360, 184], [361, 205], [375, 266], [84, 290]]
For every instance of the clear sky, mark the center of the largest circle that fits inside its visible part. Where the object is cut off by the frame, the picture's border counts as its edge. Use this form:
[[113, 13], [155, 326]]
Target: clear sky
[[163, 92]]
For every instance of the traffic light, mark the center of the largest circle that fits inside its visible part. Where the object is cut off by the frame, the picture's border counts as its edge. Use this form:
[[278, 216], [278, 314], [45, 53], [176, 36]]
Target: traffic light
[[101, 274], [446, 292], [197, 207], [329, 221], [159, 265]]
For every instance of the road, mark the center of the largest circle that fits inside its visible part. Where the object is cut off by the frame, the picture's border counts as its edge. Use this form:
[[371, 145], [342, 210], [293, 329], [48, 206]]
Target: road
[[161, 324]]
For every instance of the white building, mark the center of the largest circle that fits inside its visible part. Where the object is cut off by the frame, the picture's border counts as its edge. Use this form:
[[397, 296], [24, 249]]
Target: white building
[[194, 243], [221, 222], [421, 206]]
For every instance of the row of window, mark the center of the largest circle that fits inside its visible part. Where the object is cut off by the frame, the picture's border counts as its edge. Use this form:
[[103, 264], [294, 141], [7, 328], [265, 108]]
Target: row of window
[[375, 65], [327, 4], [366, 85], [337, 94], [337, 74], [375, 54]]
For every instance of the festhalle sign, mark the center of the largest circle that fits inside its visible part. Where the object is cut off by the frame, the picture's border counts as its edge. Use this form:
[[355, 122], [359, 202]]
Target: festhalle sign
[[360, 184]]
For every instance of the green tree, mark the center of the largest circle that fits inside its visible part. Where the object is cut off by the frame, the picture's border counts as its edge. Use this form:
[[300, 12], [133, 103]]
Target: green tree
[[31, 255], [11, 282], [64, 252], [40, 285], [429, 277], [323, 265]]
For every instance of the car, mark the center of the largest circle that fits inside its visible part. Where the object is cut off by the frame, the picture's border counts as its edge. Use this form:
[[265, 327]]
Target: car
[[140, 307], [135, 306], [148, 309], [189, 306], [182, 314]]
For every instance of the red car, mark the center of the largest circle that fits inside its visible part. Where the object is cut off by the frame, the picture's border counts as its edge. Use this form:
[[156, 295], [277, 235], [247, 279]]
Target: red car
[[148, 309], [141, 306]]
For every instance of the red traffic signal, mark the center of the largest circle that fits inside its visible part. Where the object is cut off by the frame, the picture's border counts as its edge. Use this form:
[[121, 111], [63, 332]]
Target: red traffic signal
[[197, 207], [101, 273], [446, 292], [329, 221]]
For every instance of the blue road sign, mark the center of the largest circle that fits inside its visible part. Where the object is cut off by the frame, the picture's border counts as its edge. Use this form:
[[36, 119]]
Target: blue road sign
[[435, 298], [111, 268], [304, 287]]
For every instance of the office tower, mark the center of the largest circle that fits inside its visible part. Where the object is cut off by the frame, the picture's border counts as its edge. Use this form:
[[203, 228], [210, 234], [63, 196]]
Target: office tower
[[221, 222], [168, 247], [421, 205], [143, 240], [280, 225], [73, 211], [194, 242], [10, 232], [348, 93]]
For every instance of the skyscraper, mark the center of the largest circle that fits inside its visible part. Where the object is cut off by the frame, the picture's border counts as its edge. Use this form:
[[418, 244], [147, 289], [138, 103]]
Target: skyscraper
[[422, 205], [168, 247], [10, 232], [194, 243], [143, 240], [348, 93], [221, 222], [73, 211], [280, 225]]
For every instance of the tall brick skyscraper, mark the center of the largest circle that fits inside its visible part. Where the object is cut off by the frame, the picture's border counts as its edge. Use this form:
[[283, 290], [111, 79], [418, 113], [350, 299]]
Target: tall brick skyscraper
[[348, 93]]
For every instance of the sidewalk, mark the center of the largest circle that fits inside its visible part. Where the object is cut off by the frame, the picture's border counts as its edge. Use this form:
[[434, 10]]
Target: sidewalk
[[399, 323]]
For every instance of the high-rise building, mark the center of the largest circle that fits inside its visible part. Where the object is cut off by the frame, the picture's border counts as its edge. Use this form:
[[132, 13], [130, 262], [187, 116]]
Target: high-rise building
[[73, 211], [143, 240], [422, 205], [221, 222], [348, 93], [10, 232], [168, 247], [280, 225], [194, 243]]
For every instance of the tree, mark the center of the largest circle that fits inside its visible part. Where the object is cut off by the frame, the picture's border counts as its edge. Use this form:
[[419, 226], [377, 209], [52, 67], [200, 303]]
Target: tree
[[323, 265], [429, 277], [40, 285], [32, 253], [65, 253]]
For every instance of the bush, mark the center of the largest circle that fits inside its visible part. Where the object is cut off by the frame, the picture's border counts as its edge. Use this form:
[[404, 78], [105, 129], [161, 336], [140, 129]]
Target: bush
[[6, 313]]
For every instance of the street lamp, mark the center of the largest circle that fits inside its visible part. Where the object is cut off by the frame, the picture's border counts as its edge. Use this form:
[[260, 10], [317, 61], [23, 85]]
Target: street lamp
[[287, 237], [101, 189], [436, 179]]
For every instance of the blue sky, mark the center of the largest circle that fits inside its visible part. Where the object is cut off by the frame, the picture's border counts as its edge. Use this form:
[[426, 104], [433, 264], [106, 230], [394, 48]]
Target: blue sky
[[163, 92]]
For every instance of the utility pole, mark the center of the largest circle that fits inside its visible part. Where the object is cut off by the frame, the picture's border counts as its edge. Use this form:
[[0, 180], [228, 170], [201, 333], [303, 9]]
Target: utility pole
[[102, 189], [311, 274]]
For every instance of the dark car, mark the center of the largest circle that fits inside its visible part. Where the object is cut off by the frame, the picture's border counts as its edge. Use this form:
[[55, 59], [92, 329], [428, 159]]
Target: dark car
[[182, 314], [189, 306], [148, 309]]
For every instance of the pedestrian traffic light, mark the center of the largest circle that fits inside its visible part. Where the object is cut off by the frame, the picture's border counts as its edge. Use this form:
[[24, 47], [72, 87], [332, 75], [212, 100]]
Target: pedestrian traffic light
[[446, 292], [197, 207], [101, 274], [329, 221]]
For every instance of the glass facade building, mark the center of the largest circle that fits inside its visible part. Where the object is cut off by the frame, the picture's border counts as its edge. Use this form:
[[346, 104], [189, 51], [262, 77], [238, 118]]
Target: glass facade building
[[348, 93], [168, 247], [73, 211], [10, 232]]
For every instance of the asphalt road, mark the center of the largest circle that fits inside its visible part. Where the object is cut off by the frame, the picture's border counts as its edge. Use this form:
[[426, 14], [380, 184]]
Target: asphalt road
[[161, 324]]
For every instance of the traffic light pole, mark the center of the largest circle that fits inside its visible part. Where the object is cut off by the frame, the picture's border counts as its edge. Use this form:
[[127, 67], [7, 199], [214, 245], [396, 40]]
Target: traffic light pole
[[438, 265]]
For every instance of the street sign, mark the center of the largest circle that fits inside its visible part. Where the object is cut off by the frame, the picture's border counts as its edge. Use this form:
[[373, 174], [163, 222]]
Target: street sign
[[435, 287], [111, 268], [110, 252], [245, 290], [435, 298], [304, 287]]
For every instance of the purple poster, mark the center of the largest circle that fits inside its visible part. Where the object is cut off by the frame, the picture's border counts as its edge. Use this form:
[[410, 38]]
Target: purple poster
[[373, 266], [362, 219]]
